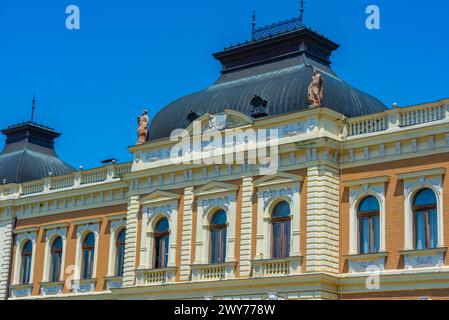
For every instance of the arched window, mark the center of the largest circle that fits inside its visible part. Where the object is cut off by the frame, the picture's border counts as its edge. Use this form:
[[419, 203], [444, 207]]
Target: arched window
[[425, 220], [369, 227], [280, 223], [27, 254], [56, 260], [120, 250], [87, 266], [161, 236], [218, 237]]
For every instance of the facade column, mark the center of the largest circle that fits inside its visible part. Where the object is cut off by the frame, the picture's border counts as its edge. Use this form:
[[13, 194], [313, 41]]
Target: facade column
[[131, 241], [322, 247], [5, 256], [187, 232], [246, 222]]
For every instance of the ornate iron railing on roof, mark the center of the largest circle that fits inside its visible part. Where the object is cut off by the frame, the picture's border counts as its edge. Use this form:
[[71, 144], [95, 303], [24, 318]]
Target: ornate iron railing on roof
[[276, 28]]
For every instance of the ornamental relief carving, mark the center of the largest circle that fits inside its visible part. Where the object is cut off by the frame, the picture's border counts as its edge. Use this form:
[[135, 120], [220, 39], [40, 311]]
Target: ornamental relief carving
[[373, 265], [223, 202], [50, 233], [412, 185], [165, 209], [412, 262], [269, 195], [377, 190], [25, 236]]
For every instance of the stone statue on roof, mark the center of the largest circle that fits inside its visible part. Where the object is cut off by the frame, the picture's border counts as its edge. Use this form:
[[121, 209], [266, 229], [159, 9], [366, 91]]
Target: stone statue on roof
[[315, 92], [142, 132]]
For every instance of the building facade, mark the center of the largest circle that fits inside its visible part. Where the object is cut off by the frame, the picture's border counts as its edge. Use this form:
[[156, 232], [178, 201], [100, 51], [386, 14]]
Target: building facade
[[356, 207]]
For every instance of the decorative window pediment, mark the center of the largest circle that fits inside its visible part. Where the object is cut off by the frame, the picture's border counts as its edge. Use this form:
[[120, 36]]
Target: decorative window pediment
[[159, 196], [278, 178], [215, 187]]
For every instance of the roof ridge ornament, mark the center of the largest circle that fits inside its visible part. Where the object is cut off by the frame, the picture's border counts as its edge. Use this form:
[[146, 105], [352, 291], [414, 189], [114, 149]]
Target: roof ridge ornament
[[33, 107], [301, 13]]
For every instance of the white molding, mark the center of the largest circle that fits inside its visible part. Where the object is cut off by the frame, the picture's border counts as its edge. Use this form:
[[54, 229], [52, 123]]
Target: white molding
[[50, 236], [21, 238], [207, 206], [358, 193], [413, 183], [268, 197], [81, 231], [150, 216], [115, 227], [215, 187]]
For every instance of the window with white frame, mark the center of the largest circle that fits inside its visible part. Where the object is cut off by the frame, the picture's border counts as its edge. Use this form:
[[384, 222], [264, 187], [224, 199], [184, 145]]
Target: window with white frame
[[86, 251], [367, 215], [117, 248], [218, 239], [215, 223], [278, 218], [159, 230], [425, 220], [24, 258], [423, 203], [55, 242]]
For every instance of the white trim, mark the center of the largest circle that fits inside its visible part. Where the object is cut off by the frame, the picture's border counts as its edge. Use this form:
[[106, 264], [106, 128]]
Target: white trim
[[81, 231], [358, 193], [21, 238], [413, 185], [207, 206], [268, 197], [50, 236], [150, 216], [115, 227]]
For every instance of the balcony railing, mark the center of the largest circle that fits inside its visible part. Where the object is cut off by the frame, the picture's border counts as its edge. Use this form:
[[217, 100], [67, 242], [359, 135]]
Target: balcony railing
[[213, 272], [398, 118], [277, 267], [150, 277], [74, 180]]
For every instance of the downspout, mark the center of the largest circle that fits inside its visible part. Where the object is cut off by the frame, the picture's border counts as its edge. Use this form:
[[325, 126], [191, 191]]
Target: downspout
[[11, 254]]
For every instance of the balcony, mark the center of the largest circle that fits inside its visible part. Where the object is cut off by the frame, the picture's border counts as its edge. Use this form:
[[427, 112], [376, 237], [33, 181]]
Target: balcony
[[213, 272], [51, 288], [21, 291], [277, 267], [152, 277]]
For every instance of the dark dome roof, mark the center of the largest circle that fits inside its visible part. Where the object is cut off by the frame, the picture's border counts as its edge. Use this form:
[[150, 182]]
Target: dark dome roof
[[279, 70], [29, 154]]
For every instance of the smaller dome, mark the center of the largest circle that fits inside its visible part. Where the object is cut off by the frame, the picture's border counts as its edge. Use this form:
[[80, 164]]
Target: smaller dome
[[29, 154]]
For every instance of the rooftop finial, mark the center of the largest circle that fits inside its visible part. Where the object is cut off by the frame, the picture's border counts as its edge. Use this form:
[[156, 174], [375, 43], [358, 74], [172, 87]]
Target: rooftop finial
[[301, 15], [33, 107], [253, 24]]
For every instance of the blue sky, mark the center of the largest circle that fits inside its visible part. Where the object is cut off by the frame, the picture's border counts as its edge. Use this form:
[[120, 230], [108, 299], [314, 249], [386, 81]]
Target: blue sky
[[129, 55]]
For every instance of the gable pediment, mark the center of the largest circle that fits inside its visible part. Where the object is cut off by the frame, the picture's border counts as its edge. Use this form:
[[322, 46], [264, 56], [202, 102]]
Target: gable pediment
[[278, 178], [216, 187], [159, 196]]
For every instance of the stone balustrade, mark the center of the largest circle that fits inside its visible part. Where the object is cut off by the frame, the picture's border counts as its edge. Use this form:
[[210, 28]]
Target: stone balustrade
[[145, 277], [57, 183], [398, 118], [213, 272], [277, 267]]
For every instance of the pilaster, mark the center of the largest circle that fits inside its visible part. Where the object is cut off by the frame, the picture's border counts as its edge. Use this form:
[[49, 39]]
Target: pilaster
[[186, 242], [322, 249], [131, 241], [246, 221]]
